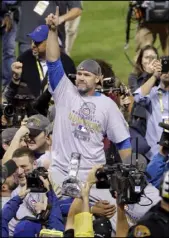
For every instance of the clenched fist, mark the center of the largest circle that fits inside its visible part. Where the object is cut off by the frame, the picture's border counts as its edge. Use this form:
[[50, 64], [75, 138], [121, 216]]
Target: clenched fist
[[17, 70], [53, 20]]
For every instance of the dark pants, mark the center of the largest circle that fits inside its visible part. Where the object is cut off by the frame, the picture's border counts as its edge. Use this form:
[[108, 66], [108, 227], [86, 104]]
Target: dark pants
[[8, 46]]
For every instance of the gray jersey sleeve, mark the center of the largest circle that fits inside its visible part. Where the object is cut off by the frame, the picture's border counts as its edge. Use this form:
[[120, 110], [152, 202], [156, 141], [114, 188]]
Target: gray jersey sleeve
[[117, 127]]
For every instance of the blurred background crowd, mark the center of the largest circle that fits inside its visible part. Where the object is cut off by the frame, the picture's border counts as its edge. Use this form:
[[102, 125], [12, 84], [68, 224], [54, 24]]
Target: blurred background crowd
[[75, 164]]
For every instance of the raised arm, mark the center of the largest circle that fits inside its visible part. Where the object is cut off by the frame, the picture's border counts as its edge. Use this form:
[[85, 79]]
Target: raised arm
[[52, 47], [156, 68]]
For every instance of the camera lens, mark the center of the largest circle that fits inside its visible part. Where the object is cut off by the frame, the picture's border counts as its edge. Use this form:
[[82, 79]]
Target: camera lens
[[9, 111]]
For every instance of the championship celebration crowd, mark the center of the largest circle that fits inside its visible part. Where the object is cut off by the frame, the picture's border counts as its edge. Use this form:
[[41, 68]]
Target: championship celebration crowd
[[82, 153]]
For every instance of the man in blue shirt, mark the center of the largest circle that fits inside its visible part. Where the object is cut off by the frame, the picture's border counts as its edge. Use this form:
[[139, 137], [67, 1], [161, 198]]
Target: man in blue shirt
[[156, 100]]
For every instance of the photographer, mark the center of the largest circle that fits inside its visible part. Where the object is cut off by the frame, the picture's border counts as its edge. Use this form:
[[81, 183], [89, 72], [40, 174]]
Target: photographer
[[35, 202], [109, 82], [155, 100], [160, 162], [49, 216], [155, 223], [153, 20]]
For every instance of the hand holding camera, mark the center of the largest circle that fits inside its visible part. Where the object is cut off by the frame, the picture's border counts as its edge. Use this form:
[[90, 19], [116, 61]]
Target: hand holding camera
[[154, 67], [46, 182], [91, 179], [23, 191], [124, 101], [164, 140]]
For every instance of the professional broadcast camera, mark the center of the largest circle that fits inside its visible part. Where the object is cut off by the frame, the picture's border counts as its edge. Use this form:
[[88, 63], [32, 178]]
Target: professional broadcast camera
[[146, 11], [164, 140], [33, 181], [126, 180], [109, 84], [16, 110]]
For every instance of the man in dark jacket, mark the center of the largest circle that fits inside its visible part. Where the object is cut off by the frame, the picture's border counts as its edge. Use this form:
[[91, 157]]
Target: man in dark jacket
[[30, 71]]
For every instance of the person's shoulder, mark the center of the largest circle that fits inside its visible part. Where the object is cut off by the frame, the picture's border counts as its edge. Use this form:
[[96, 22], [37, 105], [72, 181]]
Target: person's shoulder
[[26, 55]]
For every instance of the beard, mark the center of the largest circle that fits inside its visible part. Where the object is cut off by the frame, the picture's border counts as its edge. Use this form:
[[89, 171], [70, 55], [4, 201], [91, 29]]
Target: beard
[[83, 91]]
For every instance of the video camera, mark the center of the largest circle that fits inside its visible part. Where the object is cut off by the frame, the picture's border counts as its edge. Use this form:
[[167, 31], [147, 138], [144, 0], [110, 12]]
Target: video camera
[[33, 181], [109, 84], [164, 140], [126, 180], [16, 110]]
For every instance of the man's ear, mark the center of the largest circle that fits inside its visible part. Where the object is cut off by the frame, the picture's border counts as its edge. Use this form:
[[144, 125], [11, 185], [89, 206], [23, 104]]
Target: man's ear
[[98, 79], [4, 187], [48, 140], [5, 146]]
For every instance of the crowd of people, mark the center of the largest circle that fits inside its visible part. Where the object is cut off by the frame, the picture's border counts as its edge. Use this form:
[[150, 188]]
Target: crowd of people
[[69, 129]]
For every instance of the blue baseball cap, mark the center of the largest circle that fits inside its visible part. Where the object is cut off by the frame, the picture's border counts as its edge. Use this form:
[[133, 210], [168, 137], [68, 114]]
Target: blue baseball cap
[[40, 33]]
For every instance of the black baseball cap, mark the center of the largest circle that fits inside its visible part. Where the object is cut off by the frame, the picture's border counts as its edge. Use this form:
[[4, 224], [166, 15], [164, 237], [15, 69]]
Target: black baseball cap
[[37, 124]]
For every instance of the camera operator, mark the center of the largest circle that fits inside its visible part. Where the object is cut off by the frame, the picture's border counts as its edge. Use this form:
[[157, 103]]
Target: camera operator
[[155, 100], [155, 223], [109, 82], [118, 179], [49, 216], [153, 20], [160, 162], [33, 202]]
